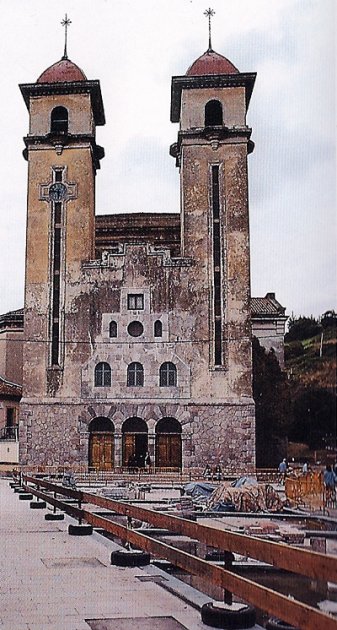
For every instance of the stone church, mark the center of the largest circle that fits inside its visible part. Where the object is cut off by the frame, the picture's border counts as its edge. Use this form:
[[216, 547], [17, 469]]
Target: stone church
[[137, 328]]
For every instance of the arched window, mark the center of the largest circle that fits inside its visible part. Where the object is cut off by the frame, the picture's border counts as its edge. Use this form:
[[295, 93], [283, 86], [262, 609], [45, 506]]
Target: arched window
[[59, 120], [102, 375], [168, 375], [213, 114], [158, 328], [135, 375], [113, 329]]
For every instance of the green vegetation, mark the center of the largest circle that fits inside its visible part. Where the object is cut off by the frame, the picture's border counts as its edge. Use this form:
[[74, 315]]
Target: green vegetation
[[296, 409], [311, 366]]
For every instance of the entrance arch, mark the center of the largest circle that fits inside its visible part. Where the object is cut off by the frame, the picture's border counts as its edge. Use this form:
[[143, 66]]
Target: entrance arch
[[168, 443], [134, 442], [101, 443]]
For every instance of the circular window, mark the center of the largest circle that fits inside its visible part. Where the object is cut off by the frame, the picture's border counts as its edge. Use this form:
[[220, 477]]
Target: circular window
[[135, 329]]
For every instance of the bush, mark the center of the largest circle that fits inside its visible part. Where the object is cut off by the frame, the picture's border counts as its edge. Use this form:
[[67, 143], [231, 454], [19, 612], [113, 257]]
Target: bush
[[293, 350]]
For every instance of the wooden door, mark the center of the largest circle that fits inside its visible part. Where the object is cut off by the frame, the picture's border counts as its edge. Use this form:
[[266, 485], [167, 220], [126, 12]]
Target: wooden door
[[128, 447], [168, 450], [101, 452]]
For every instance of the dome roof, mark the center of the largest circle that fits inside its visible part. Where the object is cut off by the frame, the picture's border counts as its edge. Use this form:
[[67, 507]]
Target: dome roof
[[63, 71], [211, 63]]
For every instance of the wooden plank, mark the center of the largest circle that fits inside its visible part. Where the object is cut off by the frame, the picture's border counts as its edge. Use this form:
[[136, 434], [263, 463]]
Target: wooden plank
[[290, 610], [305, 562]]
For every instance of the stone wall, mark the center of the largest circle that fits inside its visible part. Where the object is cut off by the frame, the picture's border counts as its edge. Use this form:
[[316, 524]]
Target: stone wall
[[214, 434]]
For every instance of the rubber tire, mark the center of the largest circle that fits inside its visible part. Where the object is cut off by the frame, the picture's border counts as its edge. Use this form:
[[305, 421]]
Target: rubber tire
[[18, 489], [130, 558], [277, 624], [80, 530], [223, 618], [52, 516], [38, 505], [25, 497]]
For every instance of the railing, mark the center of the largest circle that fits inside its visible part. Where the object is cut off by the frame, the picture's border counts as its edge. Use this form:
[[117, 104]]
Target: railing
[[314, 565], [9, 433]]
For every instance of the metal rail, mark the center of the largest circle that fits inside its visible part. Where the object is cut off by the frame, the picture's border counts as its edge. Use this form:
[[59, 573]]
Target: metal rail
[[300, 561]]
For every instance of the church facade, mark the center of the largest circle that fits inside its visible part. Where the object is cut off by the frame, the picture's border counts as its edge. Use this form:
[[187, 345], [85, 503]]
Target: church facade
[[137, 328]]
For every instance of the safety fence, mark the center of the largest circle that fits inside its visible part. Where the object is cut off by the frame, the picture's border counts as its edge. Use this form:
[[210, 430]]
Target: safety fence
[[316, 566], [155, 473], [309, 490]]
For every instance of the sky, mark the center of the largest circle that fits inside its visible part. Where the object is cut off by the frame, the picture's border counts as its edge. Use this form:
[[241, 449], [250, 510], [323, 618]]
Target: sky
[[134, 47]]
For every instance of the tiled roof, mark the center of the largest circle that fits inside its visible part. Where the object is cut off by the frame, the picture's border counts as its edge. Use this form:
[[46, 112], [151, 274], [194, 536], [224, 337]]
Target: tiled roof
[[13, 319], [266, 306], [10, 389], [211, 63]]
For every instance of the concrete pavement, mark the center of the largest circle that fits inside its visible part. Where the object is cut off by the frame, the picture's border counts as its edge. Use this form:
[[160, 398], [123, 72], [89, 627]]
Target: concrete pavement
[[53, 581]]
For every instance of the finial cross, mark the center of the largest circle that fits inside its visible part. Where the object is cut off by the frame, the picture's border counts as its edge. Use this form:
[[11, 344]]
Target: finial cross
[[209, 13], [65, 22]]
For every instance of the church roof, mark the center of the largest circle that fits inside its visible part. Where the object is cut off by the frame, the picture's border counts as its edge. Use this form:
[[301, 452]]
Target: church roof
[[211, 63], [63, 71]]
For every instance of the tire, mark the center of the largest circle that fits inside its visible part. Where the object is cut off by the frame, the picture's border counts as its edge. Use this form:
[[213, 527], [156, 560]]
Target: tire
[[80, 530], [53, 516], [18, 489], [130, 558], [218, 617], [38, 505], [25, 496], [277, 624]]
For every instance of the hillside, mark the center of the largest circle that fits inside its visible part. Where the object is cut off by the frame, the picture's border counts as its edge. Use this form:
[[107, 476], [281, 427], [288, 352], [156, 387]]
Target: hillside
[[311, 368]]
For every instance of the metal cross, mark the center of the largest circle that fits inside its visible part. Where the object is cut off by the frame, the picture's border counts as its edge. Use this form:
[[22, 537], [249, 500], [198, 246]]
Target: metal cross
[[65, 22], [209, 13]]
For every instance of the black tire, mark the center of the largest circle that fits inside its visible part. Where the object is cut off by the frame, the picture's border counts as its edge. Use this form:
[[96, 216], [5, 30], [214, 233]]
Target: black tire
[[38, 505], [218, 617], [277, 624], [130, 558], [25, 496], [80, 530], [18, 489], [53, 516]]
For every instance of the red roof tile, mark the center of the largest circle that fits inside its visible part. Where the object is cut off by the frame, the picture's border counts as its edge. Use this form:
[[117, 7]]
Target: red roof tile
[[63, 71], [211, 63]]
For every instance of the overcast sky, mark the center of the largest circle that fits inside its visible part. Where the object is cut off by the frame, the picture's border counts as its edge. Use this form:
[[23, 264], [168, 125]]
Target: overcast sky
[[134, 47]]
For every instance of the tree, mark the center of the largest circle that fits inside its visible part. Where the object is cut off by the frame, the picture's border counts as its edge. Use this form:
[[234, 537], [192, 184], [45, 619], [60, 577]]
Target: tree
[[272, 404], [302, 328], [314, 418]]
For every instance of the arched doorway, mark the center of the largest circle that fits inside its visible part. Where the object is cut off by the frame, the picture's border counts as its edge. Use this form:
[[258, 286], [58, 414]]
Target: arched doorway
[[101, 444], [135, 442], [168, 443]]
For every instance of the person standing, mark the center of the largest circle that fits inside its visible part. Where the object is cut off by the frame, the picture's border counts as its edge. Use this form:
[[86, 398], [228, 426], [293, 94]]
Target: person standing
[[329, 479], [283, 469]]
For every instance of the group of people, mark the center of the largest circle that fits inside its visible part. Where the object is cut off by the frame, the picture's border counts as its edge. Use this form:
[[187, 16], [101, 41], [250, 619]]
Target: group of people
[[213, 473], [329, 475], [143, 460]]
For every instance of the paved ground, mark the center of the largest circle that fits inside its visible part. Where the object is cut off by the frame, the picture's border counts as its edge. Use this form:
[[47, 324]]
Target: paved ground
[[52, 581]]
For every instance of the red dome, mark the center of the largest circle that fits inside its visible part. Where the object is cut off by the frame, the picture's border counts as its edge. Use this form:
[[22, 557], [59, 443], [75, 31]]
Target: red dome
[[63, 71], [211, 63]]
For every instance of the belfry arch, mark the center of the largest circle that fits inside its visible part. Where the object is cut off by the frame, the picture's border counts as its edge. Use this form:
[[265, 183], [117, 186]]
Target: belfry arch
[[101, 443], [168, 443]]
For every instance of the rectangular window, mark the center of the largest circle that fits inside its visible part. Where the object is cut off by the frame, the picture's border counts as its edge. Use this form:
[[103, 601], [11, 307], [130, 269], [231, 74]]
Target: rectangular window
[[135, 302], [10, 416]]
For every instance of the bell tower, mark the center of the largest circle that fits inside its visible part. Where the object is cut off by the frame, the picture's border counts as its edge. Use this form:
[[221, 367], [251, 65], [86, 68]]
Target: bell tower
[[210, 102], [63, 157]]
